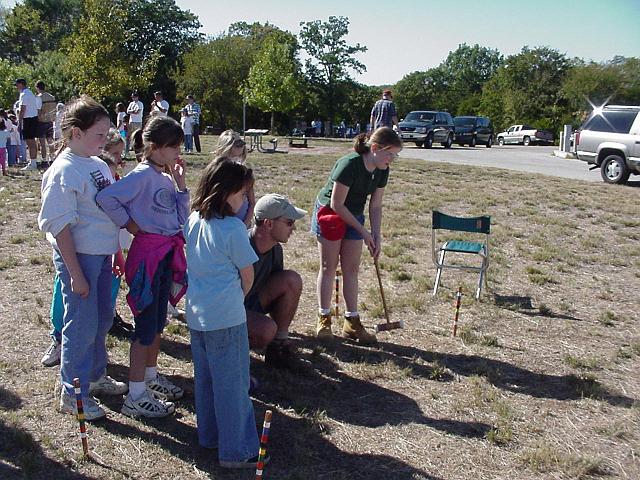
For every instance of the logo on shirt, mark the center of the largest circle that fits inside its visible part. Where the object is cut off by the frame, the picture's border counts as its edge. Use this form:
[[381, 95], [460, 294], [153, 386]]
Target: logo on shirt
[[164, 202], [99, 180]]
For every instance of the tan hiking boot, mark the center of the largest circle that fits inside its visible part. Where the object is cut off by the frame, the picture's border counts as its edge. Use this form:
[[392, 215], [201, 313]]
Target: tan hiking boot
[[323, 327], [354, 330]]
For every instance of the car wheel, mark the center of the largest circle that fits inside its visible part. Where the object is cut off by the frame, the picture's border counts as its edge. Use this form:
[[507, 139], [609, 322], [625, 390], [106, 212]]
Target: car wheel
[[418, 144], [428, 143], [449, 142], [489, 142], [473, 141], [500, 141], [614, 169], [526, 141]]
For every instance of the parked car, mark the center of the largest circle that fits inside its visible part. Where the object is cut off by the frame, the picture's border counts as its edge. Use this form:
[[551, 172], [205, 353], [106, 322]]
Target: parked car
[[473, 130], [525, 135], [424, 128], [610, 139]]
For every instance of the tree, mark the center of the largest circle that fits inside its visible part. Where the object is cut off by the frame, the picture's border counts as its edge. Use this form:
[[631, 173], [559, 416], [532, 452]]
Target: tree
[[330, 58], [527, 88], [274, 79], [35, 26], [8, 73], [98, 61], [420, 91]]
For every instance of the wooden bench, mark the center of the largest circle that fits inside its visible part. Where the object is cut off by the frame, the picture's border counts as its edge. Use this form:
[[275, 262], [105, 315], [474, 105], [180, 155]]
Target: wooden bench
[[298, 142]]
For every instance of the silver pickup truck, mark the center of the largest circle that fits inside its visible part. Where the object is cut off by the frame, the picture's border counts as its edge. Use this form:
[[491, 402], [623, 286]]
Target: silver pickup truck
[[525, 135], [610, 140]]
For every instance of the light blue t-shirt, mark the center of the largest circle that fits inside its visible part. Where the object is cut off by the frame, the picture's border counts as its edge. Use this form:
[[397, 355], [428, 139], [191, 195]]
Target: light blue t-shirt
[[216, 250]]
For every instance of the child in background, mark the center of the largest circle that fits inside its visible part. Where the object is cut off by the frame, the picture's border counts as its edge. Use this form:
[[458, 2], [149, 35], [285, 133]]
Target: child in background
[[14, 139], [220, 267], [57, 122], [146, 203], [187, 126], [83, 240], [231, 146], [5, 137]]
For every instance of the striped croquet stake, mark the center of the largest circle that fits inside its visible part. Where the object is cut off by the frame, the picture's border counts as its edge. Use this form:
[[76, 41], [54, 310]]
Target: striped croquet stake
[[264, 438], [455, 318], [83, 430], [336, 305]]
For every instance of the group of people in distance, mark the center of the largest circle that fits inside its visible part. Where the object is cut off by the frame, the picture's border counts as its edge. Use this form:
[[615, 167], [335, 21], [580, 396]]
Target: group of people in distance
[[217, 245]]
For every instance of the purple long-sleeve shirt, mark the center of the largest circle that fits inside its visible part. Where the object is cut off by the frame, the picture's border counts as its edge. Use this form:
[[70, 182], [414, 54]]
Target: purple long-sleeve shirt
[[149, 198]]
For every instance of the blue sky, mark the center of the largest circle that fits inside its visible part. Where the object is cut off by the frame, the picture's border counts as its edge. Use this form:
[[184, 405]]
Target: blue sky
[[409, 35]]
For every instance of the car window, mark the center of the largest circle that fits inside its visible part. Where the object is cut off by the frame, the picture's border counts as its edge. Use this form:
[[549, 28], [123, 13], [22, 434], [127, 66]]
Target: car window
[[420, 117], [463, 121], [620, 121]]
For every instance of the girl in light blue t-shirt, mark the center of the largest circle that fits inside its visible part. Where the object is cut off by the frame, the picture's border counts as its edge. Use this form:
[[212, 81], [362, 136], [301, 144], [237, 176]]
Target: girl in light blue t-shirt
[[220, 269]]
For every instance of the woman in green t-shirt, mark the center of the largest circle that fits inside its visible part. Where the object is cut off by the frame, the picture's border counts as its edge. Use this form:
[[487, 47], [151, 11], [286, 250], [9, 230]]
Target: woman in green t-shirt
[[353, 179]]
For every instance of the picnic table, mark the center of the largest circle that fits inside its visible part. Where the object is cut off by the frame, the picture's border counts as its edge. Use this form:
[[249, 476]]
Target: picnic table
[[255, 138], [298, 142]]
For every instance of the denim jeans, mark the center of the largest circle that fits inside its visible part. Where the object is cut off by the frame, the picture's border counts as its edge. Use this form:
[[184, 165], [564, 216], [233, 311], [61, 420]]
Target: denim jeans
[[12, 152], [86, 321], [188, 142], [56, 313], [224, 410]]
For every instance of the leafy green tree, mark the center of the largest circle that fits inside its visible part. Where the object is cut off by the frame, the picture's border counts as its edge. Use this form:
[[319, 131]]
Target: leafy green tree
[[53, 68], [593, 82], [98, 60], [274, 83], [527, 88], [420, 91], [34, 26], [8, 73], [330, 58]]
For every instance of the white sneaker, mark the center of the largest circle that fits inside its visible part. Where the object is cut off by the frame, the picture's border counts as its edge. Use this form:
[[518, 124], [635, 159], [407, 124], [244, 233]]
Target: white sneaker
[[51, 357], [90, 407], [106, 385], [165, 388], [148, 405], [32, 165]]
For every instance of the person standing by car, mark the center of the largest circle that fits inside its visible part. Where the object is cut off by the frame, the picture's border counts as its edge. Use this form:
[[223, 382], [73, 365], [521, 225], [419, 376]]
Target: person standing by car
[[383, 113]]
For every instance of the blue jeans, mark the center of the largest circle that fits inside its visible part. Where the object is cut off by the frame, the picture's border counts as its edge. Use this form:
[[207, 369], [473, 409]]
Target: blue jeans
[[12, 152], [224, 410], [188, 142], [57, 308], [86, 321], [151, 321]]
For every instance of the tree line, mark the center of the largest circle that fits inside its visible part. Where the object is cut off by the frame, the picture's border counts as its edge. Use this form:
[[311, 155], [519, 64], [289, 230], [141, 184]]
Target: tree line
[[108, 49]]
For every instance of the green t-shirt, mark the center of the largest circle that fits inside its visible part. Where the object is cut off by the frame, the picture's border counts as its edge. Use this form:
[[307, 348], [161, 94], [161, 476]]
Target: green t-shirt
[[350, 171]]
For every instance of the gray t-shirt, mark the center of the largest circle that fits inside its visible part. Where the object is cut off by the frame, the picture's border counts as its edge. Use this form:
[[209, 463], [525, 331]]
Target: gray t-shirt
[[269, 262], [383, 112]]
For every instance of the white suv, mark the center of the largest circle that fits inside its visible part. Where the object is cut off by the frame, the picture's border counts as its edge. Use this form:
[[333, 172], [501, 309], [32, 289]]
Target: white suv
[[610, 139]]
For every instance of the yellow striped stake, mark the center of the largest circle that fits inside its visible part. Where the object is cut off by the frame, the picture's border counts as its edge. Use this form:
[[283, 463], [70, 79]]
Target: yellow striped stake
[[264, 438], [80, 408]]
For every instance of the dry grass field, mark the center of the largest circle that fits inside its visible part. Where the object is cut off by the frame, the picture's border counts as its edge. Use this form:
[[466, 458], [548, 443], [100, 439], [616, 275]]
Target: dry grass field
[[542, 381]]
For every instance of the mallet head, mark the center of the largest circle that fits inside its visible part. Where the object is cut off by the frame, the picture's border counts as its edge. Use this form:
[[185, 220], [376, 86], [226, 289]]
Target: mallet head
[[383, 327]]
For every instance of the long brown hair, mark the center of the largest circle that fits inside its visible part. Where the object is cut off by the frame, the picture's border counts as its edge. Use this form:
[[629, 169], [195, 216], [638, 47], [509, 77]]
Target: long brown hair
[[383, 136], [83, 113], [221, 178]]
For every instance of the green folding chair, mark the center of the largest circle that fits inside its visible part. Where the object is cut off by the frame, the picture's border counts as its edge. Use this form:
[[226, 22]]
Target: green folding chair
[[474, 225]]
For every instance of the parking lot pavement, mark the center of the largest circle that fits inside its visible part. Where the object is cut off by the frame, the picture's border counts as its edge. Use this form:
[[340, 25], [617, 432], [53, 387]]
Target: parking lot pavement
[[532, 159]]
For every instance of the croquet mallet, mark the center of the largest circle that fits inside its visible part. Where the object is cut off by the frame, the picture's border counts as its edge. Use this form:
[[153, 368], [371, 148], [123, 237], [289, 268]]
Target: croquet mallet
[[83, 430], [264, 438], [455, 318], [383, 327]]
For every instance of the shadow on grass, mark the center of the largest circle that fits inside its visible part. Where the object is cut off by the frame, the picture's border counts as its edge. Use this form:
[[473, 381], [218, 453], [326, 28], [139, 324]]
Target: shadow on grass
[[523, 305], [297, 448], [21, 455], [511, 377], [322, 389]]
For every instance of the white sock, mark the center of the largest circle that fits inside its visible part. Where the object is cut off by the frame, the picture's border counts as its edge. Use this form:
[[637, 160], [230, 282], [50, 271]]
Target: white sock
[[136, 389], [351, 314], [282, 335], [324, 311], [150, 373]]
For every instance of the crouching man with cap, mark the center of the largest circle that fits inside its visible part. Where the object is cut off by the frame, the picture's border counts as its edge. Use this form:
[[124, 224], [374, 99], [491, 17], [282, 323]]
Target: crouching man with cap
[[273, 299]]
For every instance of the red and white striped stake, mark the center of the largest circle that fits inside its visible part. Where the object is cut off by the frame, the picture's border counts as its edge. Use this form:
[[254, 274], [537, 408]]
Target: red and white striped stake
[[264, 438], [455, 318], [83, 430], [336, 305]]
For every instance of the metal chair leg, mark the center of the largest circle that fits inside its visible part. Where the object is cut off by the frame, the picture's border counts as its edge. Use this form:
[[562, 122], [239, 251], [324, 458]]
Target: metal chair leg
[[439, 273]]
